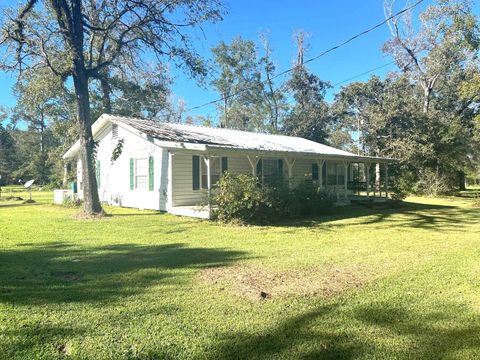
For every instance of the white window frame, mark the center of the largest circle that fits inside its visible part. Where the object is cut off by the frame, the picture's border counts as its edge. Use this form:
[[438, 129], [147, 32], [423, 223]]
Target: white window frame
[[136, 175], [204, 164]]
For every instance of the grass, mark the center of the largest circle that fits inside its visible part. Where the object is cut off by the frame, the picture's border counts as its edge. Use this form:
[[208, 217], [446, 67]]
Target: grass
[[363, 283]]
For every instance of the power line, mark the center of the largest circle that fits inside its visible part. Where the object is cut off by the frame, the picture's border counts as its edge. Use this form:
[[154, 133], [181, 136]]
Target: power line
[[401, 12], [364, 73], [355, 77]]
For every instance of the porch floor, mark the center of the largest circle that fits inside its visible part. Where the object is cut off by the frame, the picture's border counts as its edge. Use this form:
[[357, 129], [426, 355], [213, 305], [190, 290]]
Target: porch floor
[[196, 211], [360, 199]]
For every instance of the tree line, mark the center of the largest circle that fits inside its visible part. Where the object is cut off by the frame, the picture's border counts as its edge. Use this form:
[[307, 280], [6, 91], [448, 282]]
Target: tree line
[[77, 59]]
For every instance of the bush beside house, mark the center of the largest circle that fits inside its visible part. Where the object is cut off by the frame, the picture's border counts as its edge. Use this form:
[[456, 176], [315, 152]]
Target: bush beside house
[[242, 198]]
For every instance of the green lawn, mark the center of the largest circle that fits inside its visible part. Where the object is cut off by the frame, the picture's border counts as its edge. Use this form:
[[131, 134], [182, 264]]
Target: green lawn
[[363, 284]]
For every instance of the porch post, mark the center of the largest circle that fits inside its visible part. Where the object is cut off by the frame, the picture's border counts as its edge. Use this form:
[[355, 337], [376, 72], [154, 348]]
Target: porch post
[[253, 162], [345, 179], [290, 163], [320, 164], [170, 181], [367, 177], [386, 180], [209, 186]]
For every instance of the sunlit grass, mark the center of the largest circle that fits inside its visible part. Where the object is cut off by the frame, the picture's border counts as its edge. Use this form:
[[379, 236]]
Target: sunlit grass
[[138, 284]]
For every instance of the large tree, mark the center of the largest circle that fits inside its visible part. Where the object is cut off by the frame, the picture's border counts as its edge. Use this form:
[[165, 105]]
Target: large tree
[[7, 154], [85, 40], [310, 115], [446, 38], [239, 83]]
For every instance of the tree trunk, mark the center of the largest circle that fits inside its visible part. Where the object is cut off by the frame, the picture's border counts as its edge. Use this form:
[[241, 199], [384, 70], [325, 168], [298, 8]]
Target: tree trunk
[[91, 200], [225, 113], [426, 100], [106, 100], [42, 132], [461, 180], [65, 175], [90, 189]]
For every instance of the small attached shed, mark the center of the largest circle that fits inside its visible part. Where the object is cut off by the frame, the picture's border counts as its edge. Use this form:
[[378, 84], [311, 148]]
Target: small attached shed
[[173, 167]]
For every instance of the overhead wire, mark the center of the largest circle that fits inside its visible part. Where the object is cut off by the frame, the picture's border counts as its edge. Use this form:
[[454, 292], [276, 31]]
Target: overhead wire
[[333, 48]]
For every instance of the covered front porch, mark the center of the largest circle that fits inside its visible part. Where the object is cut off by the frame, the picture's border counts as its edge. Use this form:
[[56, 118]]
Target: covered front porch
[[194, 176]]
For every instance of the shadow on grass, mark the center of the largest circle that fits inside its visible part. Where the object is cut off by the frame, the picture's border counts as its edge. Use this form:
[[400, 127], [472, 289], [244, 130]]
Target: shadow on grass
[[469, 193], [321, 334], [412, 215], [27, 339], [6, 205], [290, 335], [58, 272], [135, 214]]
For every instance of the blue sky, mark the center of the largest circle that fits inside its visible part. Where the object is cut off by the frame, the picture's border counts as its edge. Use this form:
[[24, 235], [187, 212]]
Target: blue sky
[[328, 23]]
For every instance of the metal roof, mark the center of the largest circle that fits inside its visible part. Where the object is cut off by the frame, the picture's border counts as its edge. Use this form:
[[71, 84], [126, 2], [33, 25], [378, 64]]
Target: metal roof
[[218, 138]]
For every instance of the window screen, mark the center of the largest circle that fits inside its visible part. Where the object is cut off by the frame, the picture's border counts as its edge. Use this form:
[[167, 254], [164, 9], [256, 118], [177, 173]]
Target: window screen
[[141, 174]]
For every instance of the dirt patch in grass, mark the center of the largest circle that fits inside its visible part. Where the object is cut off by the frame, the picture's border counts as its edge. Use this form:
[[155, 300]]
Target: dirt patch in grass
[[63, 348], [83, 216], [258, 283]]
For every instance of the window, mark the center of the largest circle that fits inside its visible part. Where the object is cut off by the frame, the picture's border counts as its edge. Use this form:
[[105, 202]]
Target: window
[[141, 174], [340, 174], [200, 172], [214, 172], [331, 173], [335, 174], [269, 170]]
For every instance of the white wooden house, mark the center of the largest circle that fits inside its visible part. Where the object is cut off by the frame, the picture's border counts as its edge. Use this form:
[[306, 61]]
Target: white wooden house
[[173, 167]]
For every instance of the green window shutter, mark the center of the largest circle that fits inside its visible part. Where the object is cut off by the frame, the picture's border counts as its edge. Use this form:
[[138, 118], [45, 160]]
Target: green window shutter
[[259, 168], [97, 172], [131, 174], [280, 168], [314, 171], [224, 164], [324, 173], [151, 178], [195, 172]]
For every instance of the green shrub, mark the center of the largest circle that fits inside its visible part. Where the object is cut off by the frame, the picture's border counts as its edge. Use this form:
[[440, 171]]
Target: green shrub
[[239, 198], [242, 198]]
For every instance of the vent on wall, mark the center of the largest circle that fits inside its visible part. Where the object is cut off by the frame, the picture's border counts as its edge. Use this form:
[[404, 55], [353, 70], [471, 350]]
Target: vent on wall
[[114, 131]]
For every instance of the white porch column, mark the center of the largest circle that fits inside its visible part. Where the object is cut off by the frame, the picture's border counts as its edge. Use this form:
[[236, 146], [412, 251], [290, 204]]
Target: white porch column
[[378, 184], [253, 160], [290, 162], [367, 177], [386, 180], [320, 164], [345, 179], [170, 181], [209, 185]]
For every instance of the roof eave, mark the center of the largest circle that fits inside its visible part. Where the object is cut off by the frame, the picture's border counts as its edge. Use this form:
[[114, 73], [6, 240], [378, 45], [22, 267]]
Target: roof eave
[[370, 159]]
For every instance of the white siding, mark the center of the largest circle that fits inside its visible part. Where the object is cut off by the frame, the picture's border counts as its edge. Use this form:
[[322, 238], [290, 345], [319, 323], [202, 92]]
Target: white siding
[[182, 183], [115, 178]]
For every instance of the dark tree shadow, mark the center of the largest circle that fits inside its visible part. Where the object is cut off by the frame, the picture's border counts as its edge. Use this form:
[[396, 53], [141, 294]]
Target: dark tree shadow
[[290, 334], [314, 335], [413, 215], [59, 272], [23, 341], [10, 205], [438, 334]]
